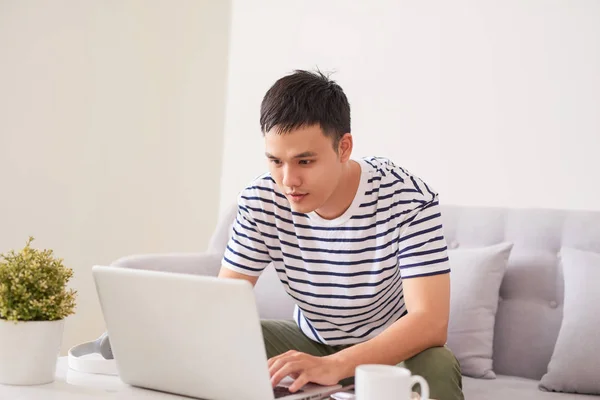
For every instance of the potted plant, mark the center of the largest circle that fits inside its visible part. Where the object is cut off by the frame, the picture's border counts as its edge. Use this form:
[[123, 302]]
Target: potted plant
[[34, 302]]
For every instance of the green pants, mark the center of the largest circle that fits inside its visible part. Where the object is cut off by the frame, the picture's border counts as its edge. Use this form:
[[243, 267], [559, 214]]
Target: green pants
[[437, 365]]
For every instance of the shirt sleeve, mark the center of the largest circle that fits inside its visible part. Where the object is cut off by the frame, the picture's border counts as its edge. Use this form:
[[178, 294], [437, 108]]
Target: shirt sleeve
[[422, 248], [246, 252]]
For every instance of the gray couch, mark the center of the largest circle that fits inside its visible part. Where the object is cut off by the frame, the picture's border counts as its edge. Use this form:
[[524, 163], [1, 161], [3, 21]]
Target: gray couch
[[531, 295]]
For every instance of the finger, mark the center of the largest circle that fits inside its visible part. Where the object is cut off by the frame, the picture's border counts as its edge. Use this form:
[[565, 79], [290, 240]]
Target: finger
[[278, 364], [299, 383], [285, 358], [287, 369], [271, 360]]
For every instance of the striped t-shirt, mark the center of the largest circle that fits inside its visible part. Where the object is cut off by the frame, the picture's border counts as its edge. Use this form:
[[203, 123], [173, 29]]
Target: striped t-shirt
[[345, 274]]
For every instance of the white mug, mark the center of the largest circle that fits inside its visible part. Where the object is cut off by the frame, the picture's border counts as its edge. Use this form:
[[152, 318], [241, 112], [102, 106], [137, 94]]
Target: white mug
[[387, 382]]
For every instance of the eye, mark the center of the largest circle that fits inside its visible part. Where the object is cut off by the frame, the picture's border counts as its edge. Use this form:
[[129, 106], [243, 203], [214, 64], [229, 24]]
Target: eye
[[306, 162], [275, 161]]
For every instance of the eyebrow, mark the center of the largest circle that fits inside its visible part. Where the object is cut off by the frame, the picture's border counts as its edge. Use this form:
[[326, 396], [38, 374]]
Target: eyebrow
[[306, 154]]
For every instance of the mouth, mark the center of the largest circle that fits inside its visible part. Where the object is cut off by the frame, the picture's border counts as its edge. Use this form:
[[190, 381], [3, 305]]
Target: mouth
[[296, 197]]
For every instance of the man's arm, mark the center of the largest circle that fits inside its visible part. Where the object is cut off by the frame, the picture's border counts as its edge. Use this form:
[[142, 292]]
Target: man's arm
[[227, 273], [246, 255], [427, 301]]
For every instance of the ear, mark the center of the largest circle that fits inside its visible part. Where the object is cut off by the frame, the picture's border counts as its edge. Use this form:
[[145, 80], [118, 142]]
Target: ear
[[345, 147]]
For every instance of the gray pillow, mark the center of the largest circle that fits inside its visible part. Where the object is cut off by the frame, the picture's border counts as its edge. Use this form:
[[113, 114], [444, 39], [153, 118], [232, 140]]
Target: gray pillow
[[575, 363], [475, 278]]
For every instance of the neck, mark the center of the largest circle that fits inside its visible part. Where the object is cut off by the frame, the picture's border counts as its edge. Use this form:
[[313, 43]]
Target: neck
[[344, 193]]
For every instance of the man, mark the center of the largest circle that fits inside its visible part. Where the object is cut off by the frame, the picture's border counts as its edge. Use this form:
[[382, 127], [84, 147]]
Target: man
[[358, 244]]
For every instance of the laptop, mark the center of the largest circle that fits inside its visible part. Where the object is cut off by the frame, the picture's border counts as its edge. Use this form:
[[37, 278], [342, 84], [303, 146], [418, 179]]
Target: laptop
[[190, 335]]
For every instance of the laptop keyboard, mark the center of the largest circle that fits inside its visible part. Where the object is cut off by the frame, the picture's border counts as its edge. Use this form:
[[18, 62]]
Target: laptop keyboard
[[281, 391]]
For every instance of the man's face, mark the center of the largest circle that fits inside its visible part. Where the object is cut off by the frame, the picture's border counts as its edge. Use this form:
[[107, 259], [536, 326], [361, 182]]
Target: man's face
[[304, 165]]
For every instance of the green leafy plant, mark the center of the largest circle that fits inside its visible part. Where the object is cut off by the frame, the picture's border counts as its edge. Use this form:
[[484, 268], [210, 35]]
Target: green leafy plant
[[33, 286]]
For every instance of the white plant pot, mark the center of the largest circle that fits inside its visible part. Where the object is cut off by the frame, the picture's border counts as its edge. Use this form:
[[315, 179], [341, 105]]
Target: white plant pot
[[29, 351]]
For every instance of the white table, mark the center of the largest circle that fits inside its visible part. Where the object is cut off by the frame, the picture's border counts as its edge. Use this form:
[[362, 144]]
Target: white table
[[73, 385]]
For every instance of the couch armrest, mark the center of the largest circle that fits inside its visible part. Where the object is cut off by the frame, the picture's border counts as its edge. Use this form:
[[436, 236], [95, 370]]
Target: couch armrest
[[187, 263]]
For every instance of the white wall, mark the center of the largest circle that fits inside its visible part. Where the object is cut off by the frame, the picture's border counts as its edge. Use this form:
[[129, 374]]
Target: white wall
[[111, 120], [491, 102]]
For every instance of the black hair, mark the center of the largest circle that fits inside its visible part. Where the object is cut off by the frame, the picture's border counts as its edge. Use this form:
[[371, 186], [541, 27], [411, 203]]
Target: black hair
[[306, 98]]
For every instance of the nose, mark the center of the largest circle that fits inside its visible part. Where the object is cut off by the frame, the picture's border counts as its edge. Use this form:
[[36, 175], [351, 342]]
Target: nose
[[291, 178]]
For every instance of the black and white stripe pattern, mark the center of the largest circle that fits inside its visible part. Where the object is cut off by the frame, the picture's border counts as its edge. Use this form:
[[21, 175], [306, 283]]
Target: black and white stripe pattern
[[344, 274]]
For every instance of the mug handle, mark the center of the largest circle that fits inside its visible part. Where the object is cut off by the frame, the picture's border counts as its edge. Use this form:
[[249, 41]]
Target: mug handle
[[424, 386]]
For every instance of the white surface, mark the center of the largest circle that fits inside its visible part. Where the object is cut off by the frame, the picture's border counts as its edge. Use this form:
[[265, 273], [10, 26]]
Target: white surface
[[74, 385], [71, 385], [492, 102], [111, 121], [32, 348]]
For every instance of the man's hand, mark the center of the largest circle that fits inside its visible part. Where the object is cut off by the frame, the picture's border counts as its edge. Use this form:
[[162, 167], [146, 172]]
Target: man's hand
[[304, 368]]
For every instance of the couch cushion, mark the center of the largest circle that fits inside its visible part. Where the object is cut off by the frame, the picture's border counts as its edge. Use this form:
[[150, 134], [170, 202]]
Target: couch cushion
[[575, 364], [531, 295], [512, 388], [475, 283]]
